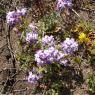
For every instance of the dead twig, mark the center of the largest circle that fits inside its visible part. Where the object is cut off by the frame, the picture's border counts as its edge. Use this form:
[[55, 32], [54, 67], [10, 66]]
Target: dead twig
[[20, 90]]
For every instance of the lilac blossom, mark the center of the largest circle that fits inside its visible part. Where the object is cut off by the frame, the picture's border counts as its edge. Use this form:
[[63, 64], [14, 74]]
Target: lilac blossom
[[69, 46], [46, 56], [34, 33], [51, 54], [61, 58], [60, 55], [63, 4], [21, 12], [48, 40], [12, 17], [40, 57], [31, 37], [32, 27], [64, 62], [32, 78]]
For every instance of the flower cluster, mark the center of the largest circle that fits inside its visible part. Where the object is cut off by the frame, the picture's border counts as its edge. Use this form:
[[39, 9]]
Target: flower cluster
[[48, 40], [13, 16], [48, 56], [31, 37], [63, 4], [69, 46], [33, 78]]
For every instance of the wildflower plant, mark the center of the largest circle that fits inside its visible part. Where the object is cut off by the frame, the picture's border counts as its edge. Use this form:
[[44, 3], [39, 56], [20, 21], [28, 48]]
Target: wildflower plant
[[45, 53]]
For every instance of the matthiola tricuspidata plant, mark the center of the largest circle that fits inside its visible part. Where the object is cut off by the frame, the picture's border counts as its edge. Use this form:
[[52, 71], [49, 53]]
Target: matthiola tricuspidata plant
[[47, 47]]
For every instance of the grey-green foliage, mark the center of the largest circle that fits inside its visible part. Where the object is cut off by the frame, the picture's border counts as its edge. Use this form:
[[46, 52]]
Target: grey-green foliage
[[2, 12], [91, 83], [49, 20]]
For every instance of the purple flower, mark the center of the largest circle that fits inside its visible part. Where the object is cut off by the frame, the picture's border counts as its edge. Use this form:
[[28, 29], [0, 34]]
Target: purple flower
[[49, 56], [40, 57], [48, 40], [21, 12], [61, 58], [64, 62], [32, 78], [69, 46], [63, 4], [12, 18], [31, 37], [54, 53], [33, 27], [60, 55], [46, 56]]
